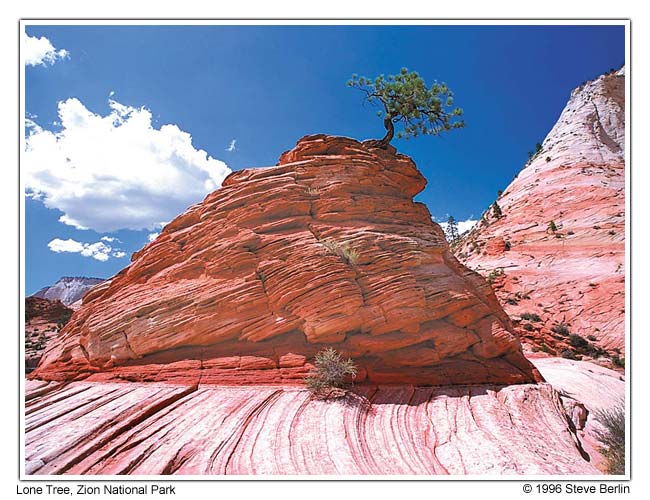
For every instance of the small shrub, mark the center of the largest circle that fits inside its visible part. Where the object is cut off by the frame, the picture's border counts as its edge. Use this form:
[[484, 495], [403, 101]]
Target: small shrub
[[618, 361], [596, 227], [530, 317], [329, 373], [552, 227], [594, 352], [577, 341], [593, 338], [496, 210], [494, 274], [561, 329], [612, 233], [508, 245], [568, 354], [545, 348], [548, 158], [612, 437], [528, 327], [64, 319], [512, 302], [343, 250]]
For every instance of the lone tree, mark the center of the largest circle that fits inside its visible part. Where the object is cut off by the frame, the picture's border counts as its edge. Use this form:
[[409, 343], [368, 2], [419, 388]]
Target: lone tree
[[496, 210], [405, 99], [451, 231]]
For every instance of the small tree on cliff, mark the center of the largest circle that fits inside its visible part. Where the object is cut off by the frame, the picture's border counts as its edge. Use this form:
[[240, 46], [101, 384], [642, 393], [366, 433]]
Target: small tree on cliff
[[328, 378], [451, 232], [405, 99]]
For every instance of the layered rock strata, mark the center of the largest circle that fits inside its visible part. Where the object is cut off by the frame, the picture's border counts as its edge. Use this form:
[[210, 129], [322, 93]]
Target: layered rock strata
[[157, 428], [558, 249], [325, 249]]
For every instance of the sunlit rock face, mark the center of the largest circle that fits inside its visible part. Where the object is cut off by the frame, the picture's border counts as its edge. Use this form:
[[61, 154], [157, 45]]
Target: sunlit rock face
[[325, 249], [560, 242]]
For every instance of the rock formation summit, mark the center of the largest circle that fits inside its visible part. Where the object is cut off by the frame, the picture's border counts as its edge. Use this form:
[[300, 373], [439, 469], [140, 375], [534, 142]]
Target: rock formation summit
[[558, 249], [325, 249]]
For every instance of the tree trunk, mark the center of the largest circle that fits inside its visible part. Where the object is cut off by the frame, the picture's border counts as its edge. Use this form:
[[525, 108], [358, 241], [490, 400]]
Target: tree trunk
[[390, 132]]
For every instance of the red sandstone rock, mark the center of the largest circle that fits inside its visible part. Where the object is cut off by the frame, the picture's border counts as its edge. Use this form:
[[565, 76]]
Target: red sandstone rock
[[574, 275], [326, 249], [159, 428]]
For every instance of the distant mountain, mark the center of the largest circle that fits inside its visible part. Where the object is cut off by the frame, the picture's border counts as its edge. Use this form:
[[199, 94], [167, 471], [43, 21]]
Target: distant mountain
[[68, 289]]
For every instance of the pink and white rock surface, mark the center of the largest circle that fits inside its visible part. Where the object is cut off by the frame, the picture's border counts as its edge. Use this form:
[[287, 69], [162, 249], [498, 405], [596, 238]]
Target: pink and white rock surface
[[160, 428], [585, 388], [575, 274]]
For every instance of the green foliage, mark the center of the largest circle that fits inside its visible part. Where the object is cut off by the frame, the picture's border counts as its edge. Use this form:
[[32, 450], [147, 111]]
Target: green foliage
[[577, 341], [561, 329], [494, 274], [343, 250], [592, 337], [618, 361], [496, 210], [612, 437], [538, 147], [552, 227], [568, 354], [330, 372], [38, 343], [451, 232], [528, 327], [63, 320], [530, 317], [544, 348], [404, 99]]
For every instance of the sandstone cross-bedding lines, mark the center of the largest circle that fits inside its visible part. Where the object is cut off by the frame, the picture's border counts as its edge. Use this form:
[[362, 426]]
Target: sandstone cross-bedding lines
[[155, 428], [573, 274], [326, 249]]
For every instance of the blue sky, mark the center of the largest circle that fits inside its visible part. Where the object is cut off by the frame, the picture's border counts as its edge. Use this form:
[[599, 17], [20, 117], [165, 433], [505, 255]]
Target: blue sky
[[264, 88]]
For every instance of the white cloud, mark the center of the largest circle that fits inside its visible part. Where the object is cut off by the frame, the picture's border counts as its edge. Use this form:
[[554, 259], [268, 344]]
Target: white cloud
[[119, 254], [99, 250], [116, 171], [110, 239], [231, 146], [58, 245], [40, 51], [152, 236], [463, 225], [111, 93]]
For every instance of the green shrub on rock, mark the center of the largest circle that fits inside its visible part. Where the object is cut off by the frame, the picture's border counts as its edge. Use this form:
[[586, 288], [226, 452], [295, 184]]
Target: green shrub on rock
[[330, 374]]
